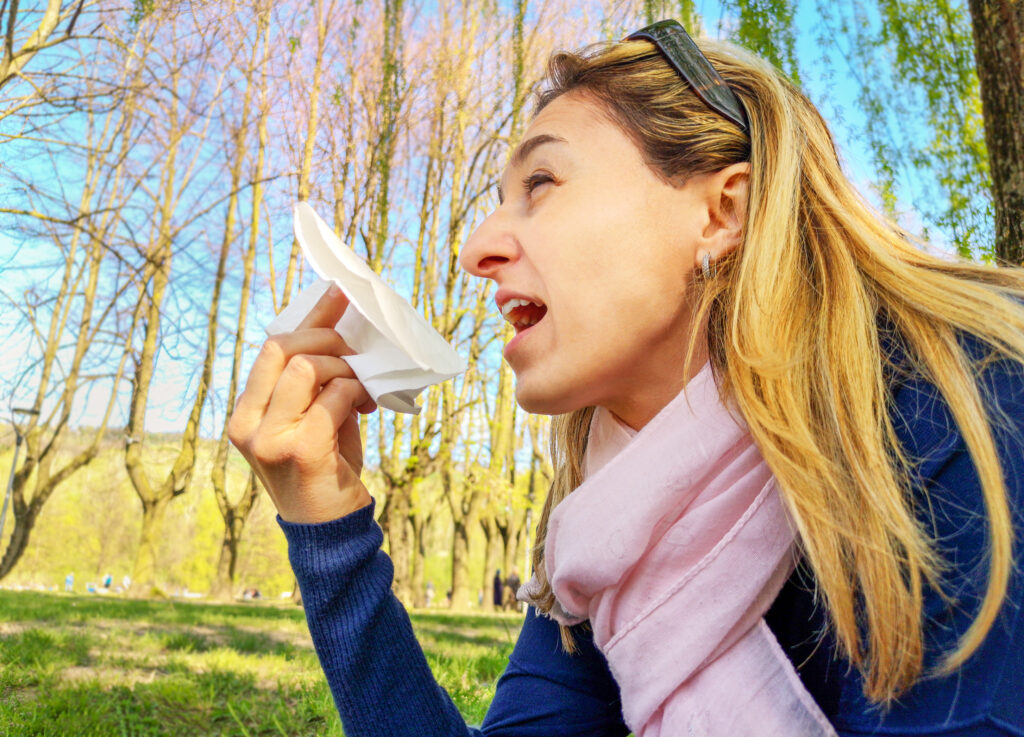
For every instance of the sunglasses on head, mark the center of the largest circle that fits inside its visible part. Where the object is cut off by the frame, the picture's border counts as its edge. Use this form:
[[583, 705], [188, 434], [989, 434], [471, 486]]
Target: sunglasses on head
[[672, 40]]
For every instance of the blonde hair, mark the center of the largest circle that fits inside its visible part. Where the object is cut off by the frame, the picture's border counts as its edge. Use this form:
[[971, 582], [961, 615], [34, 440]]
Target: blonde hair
[[797, 318]]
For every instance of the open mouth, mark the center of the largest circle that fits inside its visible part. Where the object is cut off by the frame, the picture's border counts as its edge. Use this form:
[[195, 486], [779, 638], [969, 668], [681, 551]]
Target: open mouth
[[523, 314]]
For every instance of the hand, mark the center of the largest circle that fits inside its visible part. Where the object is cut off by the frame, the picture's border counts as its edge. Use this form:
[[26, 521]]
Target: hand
[[297, 421]]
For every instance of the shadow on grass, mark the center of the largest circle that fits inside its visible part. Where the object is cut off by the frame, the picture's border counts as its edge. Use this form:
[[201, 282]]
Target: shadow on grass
[[204, 638], [178, 626], [177, 703]]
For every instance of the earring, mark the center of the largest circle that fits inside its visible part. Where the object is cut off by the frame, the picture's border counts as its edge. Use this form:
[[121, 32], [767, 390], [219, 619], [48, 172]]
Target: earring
[[710, 270]]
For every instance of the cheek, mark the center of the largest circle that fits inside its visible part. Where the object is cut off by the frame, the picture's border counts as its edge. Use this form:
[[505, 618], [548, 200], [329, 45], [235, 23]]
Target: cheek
[[608, 264]]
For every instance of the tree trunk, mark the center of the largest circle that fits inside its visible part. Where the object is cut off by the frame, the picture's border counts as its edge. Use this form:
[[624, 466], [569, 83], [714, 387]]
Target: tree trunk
[[418, 526], [224, 585], [462, 594], [13, 60], [400, 544], [998, 27], [17, 543], [153, 512], [235, 518], [510, 543], [487, 525]]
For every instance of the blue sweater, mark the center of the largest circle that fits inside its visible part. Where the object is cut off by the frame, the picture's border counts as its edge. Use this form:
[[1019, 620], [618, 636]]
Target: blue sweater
[[383, 687]]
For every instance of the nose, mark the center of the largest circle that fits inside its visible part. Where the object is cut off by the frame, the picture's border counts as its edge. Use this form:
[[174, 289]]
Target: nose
[[490, 247]]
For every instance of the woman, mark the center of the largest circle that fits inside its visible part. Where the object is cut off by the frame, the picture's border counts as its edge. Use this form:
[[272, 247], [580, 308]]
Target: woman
[[851, 402]]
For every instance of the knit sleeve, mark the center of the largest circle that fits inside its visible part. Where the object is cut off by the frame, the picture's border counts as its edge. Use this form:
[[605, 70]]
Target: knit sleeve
[[375, 668]]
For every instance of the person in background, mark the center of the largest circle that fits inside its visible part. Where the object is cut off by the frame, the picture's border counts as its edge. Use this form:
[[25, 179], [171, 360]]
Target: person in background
[[788, 442], [497, 590], [512, 584]]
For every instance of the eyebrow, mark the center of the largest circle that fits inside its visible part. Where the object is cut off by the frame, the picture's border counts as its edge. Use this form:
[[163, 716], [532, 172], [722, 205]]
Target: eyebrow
[[524, 149]]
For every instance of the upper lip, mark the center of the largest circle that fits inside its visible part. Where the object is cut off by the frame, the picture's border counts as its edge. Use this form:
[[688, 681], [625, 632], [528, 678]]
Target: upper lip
[[504, 296]]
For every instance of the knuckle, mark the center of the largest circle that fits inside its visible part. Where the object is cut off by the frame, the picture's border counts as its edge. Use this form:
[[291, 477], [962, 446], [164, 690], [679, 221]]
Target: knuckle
[[273, 348], [301, 368], [344, 388]]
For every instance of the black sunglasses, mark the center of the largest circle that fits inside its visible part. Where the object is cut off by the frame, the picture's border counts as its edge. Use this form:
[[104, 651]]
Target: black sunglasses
[[672, 40]]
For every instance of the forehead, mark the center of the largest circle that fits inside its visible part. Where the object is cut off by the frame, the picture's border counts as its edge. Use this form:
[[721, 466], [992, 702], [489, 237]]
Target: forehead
[[570, 116], [578, 123]]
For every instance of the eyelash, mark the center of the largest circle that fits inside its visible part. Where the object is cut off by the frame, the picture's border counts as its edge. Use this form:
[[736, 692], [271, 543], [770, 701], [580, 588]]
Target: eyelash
[[531, 182]]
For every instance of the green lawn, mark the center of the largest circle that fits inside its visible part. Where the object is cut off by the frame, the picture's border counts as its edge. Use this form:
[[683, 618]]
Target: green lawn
[[92, 666]]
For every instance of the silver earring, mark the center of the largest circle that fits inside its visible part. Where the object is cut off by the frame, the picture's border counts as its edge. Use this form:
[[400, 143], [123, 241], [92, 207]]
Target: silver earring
[[709, 271]]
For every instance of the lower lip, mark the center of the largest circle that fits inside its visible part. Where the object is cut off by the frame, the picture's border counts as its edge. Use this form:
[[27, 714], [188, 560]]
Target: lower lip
[[517, 340]]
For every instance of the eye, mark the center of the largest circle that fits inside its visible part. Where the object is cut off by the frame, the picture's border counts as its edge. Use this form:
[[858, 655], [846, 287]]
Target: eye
[[536, 179]]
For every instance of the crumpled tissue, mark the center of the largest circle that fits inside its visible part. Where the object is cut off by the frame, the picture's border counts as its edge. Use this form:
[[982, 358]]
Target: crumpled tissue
[[398, 353]]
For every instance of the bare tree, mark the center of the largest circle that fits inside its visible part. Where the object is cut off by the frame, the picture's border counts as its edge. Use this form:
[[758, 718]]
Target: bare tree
[[82, 312], [236, 513], [180, 65]]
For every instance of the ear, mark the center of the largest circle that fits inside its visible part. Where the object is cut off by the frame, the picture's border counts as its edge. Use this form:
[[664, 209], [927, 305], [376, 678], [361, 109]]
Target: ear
[[725, 196]]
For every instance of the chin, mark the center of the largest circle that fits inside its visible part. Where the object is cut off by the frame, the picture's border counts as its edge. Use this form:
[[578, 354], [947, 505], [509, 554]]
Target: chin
[[546, 400]]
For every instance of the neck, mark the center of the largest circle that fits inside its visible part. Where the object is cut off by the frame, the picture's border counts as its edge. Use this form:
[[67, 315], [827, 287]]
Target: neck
[[636, 410]]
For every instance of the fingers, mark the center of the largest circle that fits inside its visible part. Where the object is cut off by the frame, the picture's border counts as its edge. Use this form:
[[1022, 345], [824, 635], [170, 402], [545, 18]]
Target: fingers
[[290, 370], [274, 357], [337, 402], [327, 311], [300, 384]]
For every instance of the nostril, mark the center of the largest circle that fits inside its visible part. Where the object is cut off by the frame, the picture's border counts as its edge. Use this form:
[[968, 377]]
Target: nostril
[[491, 262]]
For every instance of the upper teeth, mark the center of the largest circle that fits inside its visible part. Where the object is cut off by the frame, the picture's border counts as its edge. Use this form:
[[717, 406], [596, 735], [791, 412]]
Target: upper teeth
[[513, 303]]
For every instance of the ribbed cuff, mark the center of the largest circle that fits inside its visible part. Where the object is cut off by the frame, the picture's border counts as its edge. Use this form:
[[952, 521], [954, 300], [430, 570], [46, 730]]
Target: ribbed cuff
[[331, 551], [321, 534]]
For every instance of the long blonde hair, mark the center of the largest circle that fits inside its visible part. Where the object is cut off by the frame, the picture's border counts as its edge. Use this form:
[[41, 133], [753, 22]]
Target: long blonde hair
[[796, 319]]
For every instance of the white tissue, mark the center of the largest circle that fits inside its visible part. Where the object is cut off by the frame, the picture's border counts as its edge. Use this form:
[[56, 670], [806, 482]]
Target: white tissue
[[398, 353]]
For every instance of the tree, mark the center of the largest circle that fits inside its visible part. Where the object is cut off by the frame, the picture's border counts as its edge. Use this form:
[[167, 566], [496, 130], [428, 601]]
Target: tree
[[181, 110], [236, 513], [82, 311], [998, 29]]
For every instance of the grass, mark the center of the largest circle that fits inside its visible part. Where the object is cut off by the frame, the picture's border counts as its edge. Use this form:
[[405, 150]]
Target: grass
[[90, 666]]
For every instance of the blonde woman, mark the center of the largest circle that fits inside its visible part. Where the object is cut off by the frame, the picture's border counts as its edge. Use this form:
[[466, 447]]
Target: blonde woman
[[789, 443]]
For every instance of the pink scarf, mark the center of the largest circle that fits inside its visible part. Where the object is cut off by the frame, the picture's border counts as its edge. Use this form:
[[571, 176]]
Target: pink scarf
[[673, 547]]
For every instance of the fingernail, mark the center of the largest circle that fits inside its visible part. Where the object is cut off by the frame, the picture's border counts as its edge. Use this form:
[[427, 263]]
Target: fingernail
[[334, 290]]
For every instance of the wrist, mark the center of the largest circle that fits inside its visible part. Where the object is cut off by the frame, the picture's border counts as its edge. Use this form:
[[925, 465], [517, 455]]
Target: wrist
[[325, 506]]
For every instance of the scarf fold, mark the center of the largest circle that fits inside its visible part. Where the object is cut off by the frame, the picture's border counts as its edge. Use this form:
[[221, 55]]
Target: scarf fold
[[674, 546]]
